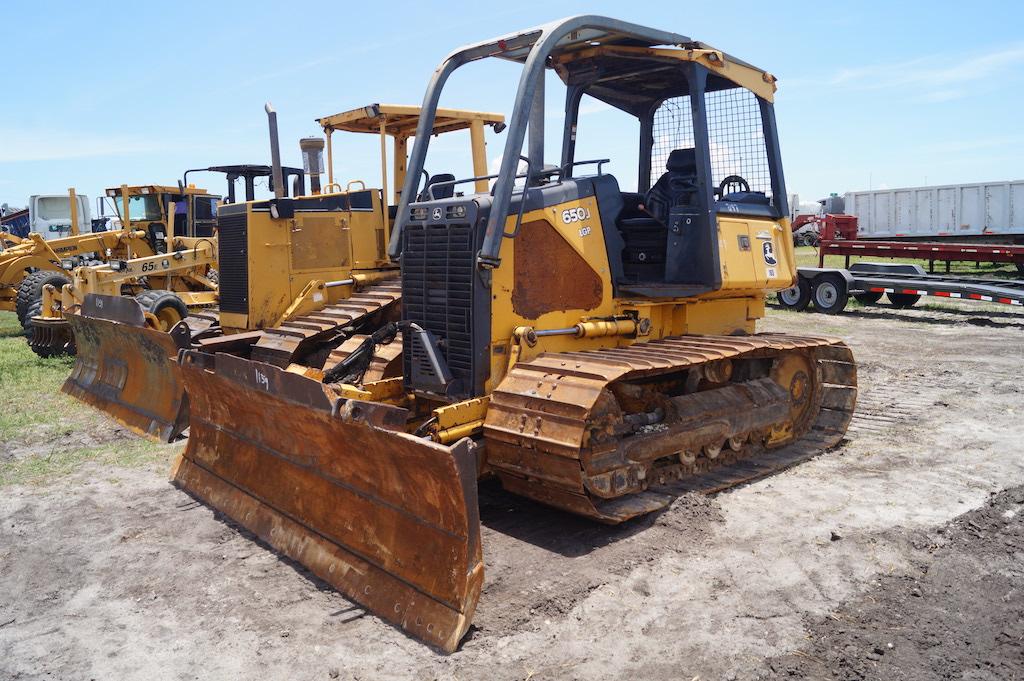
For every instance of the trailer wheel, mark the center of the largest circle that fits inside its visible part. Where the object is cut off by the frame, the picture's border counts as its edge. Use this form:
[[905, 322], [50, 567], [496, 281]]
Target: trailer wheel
[[829, 293], [163, 309], [903, 300], [868, 297], [798, 297]]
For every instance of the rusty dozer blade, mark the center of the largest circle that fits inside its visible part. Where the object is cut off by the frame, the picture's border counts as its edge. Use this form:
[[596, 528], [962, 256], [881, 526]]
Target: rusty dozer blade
[[388, 519], [126, 369]]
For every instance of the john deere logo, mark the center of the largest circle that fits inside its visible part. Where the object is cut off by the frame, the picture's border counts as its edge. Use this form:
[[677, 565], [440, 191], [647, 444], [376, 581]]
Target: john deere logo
[[437, 214]]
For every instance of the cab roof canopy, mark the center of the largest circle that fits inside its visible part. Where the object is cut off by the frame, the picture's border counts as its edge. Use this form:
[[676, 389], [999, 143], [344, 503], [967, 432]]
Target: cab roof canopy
[[138, 189], [628, 66], [400, 120]]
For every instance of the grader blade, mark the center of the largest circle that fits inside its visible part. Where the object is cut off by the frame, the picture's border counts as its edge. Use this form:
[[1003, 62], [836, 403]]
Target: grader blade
[[126, 369], [388, 519]]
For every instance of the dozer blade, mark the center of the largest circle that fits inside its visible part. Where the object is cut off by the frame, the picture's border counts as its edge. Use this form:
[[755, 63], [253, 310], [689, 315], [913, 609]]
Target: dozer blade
[[126, 369], [388, 519]]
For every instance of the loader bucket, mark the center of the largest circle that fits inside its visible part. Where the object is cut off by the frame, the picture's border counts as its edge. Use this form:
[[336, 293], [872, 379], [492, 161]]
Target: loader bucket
[[126, 369], [389, 519]]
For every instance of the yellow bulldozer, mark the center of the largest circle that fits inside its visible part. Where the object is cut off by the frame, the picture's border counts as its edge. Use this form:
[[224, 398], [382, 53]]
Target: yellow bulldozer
[[298, 278], [592, 347]]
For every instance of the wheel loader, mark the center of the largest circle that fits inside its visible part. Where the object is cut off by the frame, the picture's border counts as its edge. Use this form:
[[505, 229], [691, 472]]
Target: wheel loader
[[589, 344], [298, 277]]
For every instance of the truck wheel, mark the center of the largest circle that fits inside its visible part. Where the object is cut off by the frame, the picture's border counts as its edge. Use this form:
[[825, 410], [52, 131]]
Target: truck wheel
[[903, 300], [829, 293], [798, 297], [31, 289], [868, 297], [163, 309]]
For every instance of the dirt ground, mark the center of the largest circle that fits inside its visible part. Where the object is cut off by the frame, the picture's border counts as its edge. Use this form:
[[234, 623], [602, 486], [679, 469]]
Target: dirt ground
[[898, 555]]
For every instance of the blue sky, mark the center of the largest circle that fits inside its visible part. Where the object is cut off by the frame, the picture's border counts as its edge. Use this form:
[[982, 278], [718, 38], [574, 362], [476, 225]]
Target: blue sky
[[884, 94]]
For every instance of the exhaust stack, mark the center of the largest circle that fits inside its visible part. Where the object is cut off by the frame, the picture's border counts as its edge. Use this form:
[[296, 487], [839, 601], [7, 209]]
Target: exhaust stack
[[313, 160], [275, 153]]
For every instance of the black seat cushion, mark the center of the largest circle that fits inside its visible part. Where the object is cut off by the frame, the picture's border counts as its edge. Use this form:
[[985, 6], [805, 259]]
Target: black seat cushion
[[444, 191], [675, 187]]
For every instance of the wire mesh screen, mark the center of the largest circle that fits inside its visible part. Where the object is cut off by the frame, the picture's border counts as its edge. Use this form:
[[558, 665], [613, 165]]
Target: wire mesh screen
[[673, 129], [737, 138]]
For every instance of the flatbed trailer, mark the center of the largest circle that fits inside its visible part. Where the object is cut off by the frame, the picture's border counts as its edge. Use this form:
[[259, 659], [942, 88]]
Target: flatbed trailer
[[931, 251], [829, 289]]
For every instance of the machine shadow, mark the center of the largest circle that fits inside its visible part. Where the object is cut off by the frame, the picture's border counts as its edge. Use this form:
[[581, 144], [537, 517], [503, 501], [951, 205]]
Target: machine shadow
[[549, 528]]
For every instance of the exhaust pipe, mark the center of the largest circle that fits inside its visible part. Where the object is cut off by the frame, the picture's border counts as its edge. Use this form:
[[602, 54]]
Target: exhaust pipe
[[313, 160], [275, 153]]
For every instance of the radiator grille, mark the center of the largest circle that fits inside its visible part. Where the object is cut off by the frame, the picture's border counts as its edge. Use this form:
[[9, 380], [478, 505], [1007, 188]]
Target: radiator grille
[[233, 253], [437, 294]]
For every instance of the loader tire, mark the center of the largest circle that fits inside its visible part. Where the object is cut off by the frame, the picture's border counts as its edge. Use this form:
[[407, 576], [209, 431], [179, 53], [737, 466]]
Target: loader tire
[[166, 308], [30, 290]]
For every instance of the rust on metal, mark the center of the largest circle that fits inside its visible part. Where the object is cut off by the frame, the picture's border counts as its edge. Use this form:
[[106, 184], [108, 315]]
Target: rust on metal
[[131, 372], [389, 519], [550, 274], [386, 362], [284, 344], [558, 430], [126, 369]]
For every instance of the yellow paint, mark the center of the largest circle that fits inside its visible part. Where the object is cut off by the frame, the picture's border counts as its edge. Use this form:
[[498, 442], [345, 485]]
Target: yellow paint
[[734, 308]]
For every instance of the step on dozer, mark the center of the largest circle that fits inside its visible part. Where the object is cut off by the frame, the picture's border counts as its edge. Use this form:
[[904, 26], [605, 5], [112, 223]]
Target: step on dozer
[[319, 274], [592, 348]]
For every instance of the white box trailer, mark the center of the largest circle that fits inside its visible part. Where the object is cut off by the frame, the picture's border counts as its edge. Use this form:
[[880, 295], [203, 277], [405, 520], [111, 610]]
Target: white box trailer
[[984, 211]]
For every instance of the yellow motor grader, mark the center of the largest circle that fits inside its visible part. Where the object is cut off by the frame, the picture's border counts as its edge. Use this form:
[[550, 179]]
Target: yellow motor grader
[[181, 278], [298, 277], [29, 264], [592, 347]]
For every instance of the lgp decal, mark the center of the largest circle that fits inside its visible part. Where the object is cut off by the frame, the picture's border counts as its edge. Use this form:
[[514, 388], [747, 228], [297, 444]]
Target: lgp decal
[[769, 253]]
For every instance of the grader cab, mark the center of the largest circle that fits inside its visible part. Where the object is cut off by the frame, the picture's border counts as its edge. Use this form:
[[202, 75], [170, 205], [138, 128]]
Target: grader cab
[[587, 338]]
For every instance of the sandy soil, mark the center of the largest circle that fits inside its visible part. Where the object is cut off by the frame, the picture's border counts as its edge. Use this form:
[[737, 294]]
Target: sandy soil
[[112, 573]]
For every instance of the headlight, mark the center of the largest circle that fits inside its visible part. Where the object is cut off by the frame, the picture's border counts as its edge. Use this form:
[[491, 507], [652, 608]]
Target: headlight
[[456, 211], [118, 265], [67, 263], [419, 213], [145, 190], [111, 193]]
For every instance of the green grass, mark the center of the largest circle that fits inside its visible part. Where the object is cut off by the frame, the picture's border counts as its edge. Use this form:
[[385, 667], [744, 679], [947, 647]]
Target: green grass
[[29, 385], [42, 468], [45, 428]]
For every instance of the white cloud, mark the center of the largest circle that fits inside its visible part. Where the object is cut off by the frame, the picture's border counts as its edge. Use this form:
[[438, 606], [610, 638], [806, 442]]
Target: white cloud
[[48, 145], [932, 78]]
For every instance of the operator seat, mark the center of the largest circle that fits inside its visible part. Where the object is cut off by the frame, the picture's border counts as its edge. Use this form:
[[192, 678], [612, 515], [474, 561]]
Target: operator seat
[[676, 187], [445, 191]]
